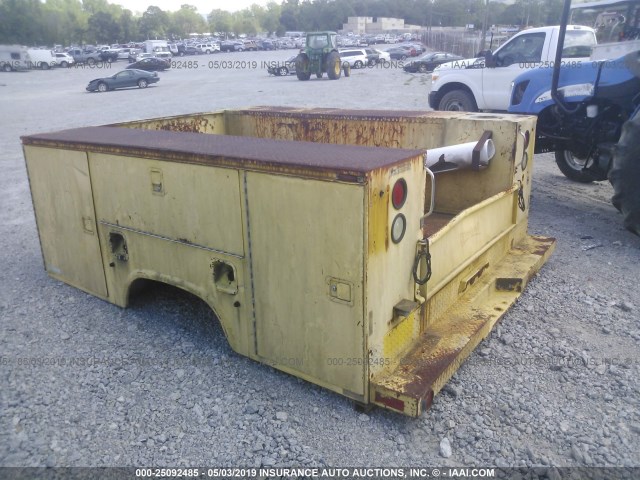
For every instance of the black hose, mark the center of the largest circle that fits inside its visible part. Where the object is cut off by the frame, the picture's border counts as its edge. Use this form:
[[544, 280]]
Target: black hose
[[556, 66]]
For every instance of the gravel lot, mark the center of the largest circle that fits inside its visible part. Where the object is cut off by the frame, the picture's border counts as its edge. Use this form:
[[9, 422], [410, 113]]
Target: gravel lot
[[557, 383]]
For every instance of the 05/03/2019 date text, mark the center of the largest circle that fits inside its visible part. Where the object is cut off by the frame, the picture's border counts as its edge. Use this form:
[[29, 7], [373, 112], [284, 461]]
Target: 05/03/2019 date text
[[217, 65]]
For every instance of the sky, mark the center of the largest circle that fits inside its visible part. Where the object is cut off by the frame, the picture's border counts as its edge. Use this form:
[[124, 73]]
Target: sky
[[204, 6]]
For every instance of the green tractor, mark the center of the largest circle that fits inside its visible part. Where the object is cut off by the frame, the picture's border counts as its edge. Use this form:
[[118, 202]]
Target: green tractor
[[320, 55]]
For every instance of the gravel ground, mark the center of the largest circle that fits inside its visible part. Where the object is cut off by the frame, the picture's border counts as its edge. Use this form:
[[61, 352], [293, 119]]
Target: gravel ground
[[555, 384]]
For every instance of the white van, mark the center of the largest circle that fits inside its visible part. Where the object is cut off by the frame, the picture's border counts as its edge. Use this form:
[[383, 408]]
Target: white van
[[13, 58], [41, 58]]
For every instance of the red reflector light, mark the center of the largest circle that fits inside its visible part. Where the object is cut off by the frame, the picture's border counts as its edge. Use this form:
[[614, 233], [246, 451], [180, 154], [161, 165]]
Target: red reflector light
[[399, 194]]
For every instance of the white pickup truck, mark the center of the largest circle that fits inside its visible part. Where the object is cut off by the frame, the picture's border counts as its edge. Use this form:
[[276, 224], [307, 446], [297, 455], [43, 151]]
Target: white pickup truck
[[484, 83]]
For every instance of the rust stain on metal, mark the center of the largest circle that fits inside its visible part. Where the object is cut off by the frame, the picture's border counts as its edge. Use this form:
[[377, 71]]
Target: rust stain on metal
[[192, 125], [509, 284], [327, 127], [437, 351], [394, 403], [545, 243]]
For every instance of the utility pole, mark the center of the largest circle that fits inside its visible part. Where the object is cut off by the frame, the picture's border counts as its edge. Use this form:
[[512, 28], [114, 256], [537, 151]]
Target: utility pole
[[485, 20]]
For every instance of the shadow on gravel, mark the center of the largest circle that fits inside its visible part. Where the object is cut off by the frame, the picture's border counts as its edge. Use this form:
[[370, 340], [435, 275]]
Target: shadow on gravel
[[170, 310]]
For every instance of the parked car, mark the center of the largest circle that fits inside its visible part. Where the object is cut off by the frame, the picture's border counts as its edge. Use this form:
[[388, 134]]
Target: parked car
[[282, 69], [127, 52], [429, 61], [230, 45], [109, 55], [247, 45], [123, 79], [414, 47], [383, 57], [399, 53], [206, 48], [64, 60], [151, 64], [355, 57], [139, 55], [190, 50], [267, 45], [87, 55]]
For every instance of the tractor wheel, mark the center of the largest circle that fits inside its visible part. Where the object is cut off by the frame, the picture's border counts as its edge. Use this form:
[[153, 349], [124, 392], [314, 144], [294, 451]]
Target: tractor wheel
[[625, 174], [346, 68], [302, 67], [572, 167], [333, 65]]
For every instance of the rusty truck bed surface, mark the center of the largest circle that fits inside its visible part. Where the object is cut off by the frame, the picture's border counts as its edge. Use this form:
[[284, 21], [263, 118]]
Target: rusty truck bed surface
[[217, 150], [315, 235]]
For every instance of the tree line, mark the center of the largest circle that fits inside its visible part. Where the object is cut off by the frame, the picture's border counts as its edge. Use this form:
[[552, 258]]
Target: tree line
[[66, 22]]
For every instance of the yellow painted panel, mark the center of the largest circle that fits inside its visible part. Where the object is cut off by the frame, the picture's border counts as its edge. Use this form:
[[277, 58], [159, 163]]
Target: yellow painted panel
[[306, 236], [466, 235], [187, 267], [61, 192], [389, 265], [192, 204]]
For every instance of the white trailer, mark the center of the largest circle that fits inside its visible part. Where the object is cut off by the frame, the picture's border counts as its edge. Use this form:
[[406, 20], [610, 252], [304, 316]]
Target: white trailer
[[156, 46], [13, 58]]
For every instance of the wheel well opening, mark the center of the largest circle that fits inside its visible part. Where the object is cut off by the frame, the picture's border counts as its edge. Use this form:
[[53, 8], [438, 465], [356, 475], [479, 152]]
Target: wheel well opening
[[170, 310], [455, 86]]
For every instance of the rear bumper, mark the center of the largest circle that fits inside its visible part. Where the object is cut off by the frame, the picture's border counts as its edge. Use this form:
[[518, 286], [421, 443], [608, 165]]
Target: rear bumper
[[441, 348]]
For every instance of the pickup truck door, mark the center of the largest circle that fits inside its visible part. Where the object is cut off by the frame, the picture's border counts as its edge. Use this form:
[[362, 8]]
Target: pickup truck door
[[514, 57]]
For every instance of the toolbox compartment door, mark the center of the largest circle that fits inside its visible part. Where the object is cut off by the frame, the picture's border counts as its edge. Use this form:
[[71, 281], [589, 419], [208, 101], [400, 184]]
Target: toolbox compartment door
[[63, 203], [307, 240]]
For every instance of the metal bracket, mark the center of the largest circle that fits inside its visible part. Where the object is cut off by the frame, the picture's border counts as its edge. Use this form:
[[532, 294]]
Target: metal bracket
[[475, 155], [432, 203]]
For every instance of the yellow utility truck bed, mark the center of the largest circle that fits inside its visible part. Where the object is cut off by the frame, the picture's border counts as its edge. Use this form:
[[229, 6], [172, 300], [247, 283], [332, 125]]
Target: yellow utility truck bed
[[322, 242]]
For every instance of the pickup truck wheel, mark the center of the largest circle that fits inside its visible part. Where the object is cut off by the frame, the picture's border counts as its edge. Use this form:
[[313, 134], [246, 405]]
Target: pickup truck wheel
[[102, 87], [64, 64], [457, 101], [625, 175], [142, 83], [91, 61], [283, 71], [572, 166], [358, 64], [422, 68]]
